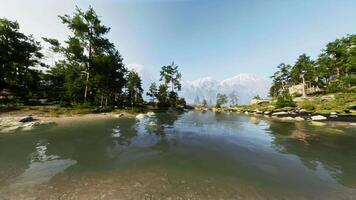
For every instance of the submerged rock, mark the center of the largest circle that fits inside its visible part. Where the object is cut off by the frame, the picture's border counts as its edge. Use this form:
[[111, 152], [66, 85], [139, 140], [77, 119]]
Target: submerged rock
[[299, 119], [315, 123], [140, 116], [318, 118]]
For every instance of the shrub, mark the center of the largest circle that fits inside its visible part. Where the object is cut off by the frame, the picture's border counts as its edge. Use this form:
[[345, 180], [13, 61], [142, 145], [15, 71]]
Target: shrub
[[285, 100], [335, 87], [308, 105]]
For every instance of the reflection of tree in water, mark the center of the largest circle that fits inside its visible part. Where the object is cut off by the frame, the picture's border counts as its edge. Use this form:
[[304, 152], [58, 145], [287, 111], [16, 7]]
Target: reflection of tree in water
[[161, 125], [319, 145]]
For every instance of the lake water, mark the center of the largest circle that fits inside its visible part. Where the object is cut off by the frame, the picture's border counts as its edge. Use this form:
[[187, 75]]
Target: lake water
[[192, 155]]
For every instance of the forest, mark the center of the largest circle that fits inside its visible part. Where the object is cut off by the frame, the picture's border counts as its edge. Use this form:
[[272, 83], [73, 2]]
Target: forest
[[88, 70]]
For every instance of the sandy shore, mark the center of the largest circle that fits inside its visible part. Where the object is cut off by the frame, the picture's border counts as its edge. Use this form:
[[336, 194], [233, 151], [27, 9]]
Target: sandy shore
[[11, 122], [85, 117]]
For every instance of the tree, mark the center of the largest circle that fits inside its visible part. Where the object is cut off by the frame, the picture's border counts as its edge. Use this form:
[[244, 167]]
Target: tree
[[162, 95], [205, 103], [92, 70], [152, 92], [234, 99], [20, 59], [281, 79], [337, 54], [304, 67], [221, 99], [134, 88], [171, 77], [86, 44]]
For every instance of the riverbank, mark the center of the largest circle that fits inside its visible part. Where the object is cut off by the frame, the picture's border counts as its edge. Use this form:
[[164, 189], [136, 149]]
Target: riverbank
[[338, 107], [29, 117]]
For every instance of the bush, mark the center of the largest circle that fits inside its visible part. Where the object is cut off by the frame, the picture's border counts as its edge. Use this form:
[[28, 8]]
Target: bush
[[285, 100], [335, 87], [308, 105]]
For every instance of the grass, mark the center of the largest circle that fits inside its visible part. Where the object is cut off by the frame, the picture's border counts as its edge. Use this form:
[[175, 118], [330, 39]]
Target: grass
[[342, 103]]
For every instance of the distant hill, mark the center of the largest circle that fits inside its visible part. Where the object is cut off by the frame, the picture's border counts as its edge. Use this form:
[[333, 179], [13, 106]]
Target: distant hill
[[242, 87]]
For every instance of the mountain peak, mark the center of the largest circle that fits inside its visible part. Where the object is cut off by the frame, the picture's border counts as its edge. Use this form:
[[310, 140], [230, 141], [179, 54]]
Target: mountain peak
[[243, 85]]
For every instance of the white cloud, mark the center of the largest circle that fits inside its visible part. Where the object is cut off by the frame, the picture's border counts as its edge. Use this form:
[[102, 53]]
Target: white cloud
[[137, 68]]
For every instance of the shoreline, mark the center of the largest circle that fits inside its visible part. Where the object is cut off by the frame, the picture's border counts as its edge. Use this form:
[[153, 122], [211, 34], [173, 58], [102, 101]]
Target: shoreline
[[291, 115]]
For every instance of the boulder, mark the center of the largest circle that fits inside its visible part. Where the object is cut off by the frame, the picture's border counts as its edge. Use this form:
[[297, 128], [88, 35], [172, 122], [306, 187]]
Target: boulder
[[279, 113], [267, 112], [140, 116], [27, 119], [150, 114], [318, 118]]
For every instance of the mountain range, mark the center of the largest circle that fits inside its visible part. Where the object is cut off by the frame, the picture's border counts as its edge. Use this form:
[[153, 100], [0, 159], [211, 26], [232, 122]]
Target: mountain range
[[240, 89]]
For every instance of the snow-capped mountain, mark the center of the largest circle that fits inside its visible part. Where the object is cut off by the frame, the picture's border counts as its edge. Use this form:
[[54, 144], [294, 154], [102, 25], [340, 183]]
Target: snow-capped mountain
[[240, 89]]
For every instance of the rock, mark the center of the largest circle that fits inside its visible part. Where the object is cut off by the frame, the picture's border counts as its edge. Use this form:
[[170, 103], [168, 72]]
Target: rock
[[30, 125], [279, 113], [140, 116], [150, 114], [287, 118], [259, 101], [318, 123], [246, 112], [119, 115], [267, 112], [318, 118], [27, 119], [258, 112], [299, 119], [353, 124], [333, 113], [330, 97], [334, 116]]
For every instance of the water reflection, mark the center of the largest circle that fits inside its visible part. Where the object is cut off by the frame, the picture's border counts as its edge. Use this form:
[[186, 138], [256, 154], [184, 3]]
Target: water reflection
[[327, 147], [252, 150]]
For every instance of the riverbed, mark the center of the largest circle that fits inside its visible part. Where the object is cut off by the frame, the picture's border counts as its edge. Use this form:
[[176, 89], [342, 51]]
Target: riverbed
[[173, 155]]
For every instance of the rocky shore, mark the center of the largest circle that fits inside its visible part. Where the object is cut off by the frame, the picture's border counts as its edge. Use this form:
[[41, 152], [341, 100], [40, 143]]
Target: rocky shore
[[295, 114]]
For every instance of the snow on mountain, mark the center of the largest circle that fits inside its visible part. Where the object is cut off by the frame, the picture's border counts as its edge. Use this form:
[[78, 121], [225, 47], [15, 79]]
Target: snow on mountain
[[240, 88]]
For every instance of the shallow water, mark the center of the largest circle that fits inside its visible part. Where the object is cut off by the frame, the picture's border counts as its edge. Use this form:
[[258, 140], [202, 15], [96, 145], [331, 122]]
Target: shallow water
[[193, 155]]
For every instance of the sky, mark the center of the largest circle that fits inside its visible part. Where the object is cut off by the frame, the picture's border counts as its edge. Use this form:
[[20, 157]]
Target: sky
[[216, 38]]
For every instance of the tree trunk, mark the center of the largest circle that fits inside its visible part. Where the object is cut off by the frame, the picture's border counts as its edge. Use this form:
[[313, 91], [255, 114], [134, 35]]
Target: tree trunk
[[86, 86], [337, 72]]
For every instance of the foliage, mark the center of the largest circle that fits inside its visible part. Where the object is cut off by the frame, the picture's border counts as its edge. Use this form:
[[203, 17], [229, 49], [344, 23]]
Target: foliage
[[134, 88], [205, 103], [19, 57], [152, 92], [307, 105], [334, 69], [170, 77], [92, 69], [285, 100], [221, 99]]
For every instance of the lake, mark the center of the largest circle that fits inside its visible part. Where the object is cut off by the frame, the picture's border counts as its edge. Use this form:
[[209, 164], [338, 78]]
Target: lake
[[191, 155]]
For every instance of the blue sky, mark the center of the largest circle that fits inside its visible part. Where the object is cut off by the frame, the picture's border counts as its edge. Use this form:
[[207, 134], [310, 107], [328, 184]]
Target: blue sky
[[214, 38]]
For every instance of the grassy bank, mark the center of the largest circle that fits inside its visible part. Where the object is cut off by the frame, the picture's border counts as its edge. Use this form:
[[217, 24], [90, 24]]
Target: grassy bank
[[338, 103]]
